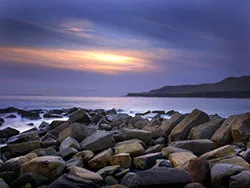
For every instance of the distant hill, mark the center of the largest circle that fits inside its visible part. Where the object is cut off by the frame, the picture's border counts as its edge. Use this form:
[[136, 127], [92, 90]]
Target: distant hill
[[232, 87]]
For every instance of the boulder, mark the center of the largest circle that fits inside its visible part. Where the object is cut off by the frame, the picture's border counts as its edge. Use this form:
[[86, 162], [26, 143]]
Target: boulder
[[129, 180], [163, 163], [221, 152], [11, 116], [85, 174], [179, 158], [160, 140], [110, 180], [181, 131], [62, 125], [161, 176], [206, 130], [154, 149], [31, 114], [105, 126], [154, 127], [1, 121], [198, 147], [77, 131], [241, 180], [101, 160], [8, 132], [56, 123], [49, 166], [66, 153], [246, 155], [108, 170], [146, 161], [171, 149], [117, 117], [239, 161], [240, 130], [128, 134], [80, 116], [122, 159], [69, 181], [9, 110], [9, 176], [85, 155], [3, 184], [24, 137], [133, 148], [70, 142], [98, 141], [220, 174], [75, 161]]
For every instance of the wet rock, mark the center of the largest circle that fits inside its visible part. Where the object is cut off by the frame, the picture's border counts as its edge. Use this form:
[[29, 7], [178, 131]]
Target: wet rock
[[98, 141], [108, 170], [241, 180], [111, 112], [8, 132], [198, 147], [179, 158], [181, 131], [101, 160], [146, 161], [133, 148], [154, 149], [1, 121], [143, 113], [80, 116], [49, 166], [171, 112], [70, 142], [48, 137], [30, 124], [46, 115], [9, 110], [24, 137], [11, 116], [31, 114], [66, 153], [85, 155], [171, 149], [85, 174], [122, 159], [56, 123]]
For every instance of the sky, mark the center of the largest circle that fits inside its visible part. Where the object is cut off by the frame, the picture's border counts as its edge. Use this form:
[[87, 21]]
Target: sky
[[111, 47]]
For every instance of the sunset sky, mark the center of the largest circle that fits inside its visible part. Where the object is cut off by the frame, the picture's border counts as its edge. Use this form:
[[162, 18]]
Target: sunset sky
[[112, 47]]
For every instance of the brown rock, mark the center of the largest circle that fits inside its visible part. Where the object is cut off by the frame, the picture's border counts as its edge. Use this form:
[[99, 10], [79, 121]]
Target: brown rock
[[178, 159], [101, 160], [134, 149], [85, 174], [122, 159]]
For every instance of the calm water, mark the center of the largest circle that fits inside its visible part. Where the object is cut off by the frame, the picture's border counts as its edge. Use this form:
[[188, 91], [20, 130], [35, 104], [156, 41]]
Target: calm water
[[223, 107]]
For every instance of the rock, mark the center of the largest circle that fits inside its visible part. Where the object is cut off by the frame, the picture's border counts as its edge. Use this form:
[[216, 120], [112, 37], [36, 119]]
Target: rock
[[179, 158], [199, 169], [30, 180], [70, 142], [241, 180], [31, 114], [80, 116], [85, 174], [108, 170], [143, 113], [3, 184], [160, 140], [220, 174], [9, 110], [181, 131], [121, 173], [110, 180], [52, 116], [206, 130], [246, 155], [154, 149], [223, 136], [24, 137], [11, 116], [128, 134], [111, 112], [171, 149], [8, 132], [30, 124], [198, 147], [1, 121], [101, 160], [240, 129], [171, 112], [163, 163], [239, 161], [134, 149], [85, 155], [221, 152], [154, 127], [9, 176], [129, 180], [162, 176], [70, 181], [169, 124], [66, 153], [76, 131], [75, 161], [44, 126], [194, 185], [98, 141], [49, 166], [122, 159], [146, 161], [56, 123], [105, 127]]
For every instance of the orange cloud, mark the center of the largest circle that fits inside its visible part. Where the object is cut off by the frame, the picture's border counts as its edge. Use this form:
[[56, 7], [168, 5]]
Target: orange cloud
[[109, 62]]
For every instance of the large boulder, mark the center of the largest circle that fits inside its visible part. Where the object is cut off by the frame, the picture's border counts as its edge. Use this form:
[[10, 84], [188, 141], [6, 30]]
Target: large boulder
[[206, 130], [66, 153], [98, 141], [85, 155], [31, 114], [198, 147], [77, 131], [70, 142], [154, 149], [108, 170], [24, 137], [239, 161], [180, 158], [80, 116], [146, 161], [8, 132], [241, 180], [85, 174], [101, 160], [49, 166], [181, 131], [240, 130], [133, 148]]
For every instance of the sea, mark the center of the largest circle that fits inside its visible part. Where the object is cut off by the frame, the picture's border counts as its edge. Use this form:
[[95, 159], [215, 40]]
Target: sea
[[130, 105]]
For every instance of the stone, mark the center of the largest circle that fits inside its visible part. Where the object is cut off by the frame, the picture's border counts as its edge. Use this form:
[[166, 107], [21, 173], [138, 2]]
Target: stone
[[11, 116], [181, 131], [3, 184], [194, 185], [62, 126], [80, 116], [31, 114], [117, 117], [85, 174], [129, 180], [66, 153], [69, 181], [122, 159], [240, 129], [101, 160], [77, 131], [49, 166], [105, 127], [85, 155], [239, 161], [121, 173], [9, 110], [30, 180], [134, 149], [154, 149], [70, 142], [1, 121], [220, 174], [110, 180], [221, 152], [246, 155], [198, 147], [241, 180], [108, 170], [160, 140], [128, 134], [179, 158], [24, 137], [154, 127], [98, 141], [161, 176], [206, 130], [56, 123], [146, 161], [9, 176], [163, 163], [140, 124], [171, 149], [8, 132], [45, 151], [76, 161]]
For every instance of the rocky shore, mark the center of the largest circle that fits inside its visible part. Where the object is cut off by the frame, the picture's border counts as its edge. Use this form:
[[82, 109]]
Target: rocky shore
[[106, 148]]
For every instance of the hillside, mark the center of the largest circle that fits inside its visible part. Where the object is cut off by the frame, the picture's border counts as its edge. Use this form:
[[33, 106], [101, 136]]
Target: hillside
[[232, 87]]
